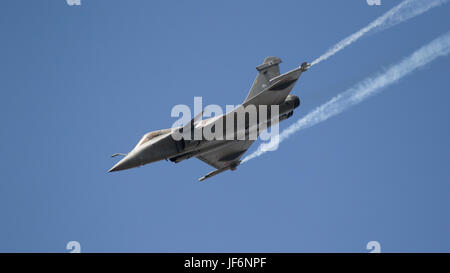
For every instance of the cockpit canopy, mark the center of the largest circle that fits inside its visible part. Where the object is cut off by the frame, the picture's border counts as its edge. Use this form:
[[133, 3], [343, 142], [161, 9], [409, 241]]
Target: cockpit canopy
[[149, 136]]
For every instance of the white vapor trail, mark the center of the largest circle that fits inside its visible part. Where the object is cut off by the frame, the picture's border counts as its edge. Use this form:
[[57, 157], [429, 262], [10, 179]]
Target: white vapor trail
[[363, 90], [402, 12]]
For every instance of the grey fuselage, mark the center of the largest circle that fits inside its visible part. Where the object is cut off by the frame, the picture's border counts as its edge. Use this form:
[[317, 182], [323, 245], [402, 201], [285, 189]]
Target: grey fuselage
[[160, 145], [269, 88]]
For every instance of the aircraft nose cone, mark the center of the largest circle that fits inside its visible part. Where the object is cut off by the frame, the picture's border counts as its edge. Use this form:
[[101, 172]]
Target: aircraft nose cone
[[128, 162]]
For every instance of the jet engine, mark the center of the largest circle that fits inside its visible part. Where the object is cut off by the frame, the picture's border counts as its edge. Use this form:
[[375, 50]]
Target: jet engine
[[290, 103]]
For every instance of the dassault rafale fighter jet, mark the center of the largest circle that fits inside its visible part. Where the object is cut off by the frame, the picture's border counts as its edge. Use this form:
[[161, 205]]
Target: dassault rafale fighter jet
[[269, 88]]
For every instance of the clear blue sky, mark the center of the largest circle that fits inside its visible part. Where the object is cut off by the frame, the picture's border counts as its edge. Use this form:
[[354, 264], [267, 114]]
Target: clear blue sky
[[81, 83]]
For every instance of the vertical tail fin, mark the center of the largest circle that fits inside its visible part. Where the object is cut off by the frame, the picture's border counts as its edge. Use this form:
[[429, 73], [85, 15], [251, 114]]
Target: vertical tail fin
[[266, 71]]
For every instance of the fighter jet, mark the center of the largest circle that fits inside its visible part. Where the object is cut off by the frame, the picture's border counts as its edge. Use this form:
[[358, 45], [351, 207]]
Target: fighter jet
[[177, 144]]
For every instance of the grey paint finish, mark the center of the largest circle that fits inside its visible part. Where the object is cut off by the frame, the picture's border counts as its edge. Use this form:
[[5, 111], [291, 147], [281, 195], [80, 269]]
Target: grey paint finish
[[269, 88]]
